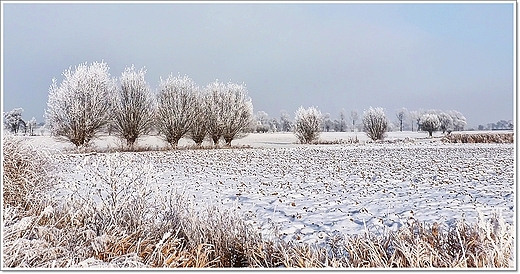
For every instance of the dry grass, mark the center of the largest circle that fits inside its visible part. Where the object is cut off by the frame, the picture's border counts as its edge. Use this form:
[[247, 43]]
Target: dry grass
[[118, 217], [147, 148], [25, 173], [349, 140], [479, 138]]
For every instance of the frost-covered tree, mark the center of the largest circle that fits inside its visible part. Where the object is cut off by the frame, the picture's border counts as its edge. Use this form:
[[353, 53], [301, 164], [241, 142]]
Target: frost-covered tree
[[459, 121], [307, 124], [327, 122], [430, 123], [133, 105], [375, 123], [354, 116], [215, 110], [238, 111], [79, 107], [175, 101], [198, 130], [13, 120], [415, 118], [342, 121], [262, 121], [285, 121], [401, 115], [31, 126], [274, 124], [446, 122]]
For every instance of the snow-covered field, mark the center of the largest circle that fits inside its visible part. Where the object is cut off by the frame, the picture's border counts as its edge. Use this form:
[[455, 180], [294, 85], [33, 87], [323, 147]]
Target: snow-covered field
[[310, 192]]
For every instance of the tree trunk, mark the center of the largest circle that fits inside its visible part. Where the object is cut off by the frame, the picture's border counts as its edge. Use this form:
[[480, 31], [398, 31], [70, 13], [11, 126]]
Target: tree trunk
[[215, 139]]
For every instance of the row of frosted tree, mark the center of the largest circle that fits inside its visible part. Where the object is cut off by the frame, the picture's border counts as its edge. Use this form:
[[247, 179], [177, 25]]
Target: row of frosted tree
[[14, 122], [309, 122], [451, 120], [88, 100]]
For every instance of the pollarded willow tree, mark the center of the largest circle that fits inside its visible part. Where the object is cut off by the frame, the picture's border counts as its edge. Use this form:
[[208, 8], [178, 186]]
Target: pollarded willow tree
[[215, 110], [79, 107], [430, 122], [133, 106], [446, 122], [375, 123], [175, 101], [237, 111], [198, 130], [307, 124]]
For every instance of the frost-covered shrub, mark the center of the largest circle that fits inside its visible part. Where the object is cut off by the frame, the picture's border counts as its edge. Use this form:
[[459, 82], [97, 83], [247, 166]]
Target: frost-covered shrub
[[25, 174], [175, 112], [133, 106], [307, 124], [430, 123], [79, 107], [375, 123]]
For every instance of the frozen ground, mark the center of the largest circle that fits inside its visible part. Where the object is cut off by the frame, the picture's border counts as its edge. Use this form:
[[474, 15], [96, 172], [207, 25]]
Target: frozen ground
[[312, 191]]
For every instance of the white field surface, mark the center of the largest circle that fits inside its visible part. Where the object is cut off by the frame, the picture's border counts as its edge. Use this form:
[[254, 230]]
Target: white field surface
[[310, 192]]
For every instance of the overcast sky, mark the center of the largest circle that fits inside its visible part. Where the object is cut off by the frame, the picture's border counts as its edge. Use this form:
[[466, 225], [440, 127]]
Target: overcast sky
[[331, 55]]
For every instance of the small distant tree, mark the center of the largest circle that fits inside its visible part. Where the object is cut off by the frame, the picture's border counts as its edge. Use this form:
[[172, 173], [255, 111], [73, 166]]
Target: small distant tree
[[415, 117], [80, 107], [307, 124], [354, 116], [342, 121], [238, 111], [375, 123], [133, 107], [285, 121], [327, 122], [262, 121], [336, 125], [13, 120], [31, 126], [175, 113], [430, 123], [274, 124], [401, 115], [459, 121], [446, 122]]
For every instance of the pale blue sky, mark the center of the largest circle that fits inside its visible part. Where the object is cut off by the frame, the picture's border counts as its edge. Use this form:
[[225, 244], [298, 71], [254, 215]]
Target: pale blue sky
[[333, 56]]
